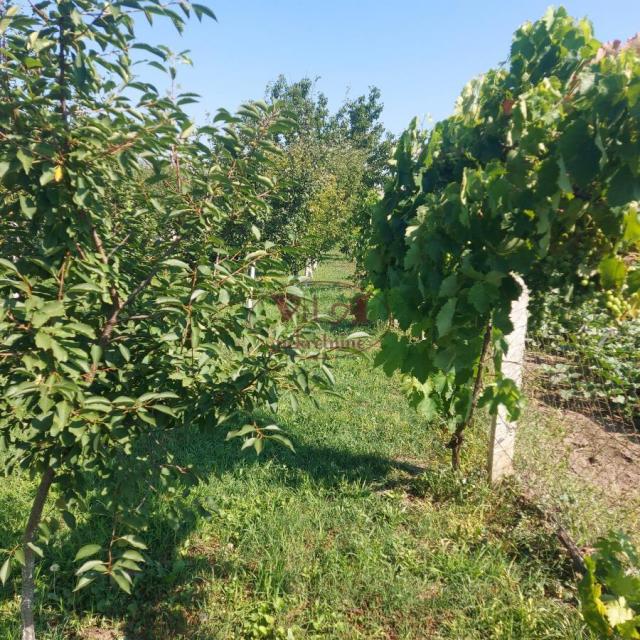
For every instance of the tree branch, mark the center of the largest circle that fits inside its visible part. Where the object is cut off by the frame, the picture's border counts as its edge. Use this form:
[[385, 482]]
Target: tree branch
[[455, 444]]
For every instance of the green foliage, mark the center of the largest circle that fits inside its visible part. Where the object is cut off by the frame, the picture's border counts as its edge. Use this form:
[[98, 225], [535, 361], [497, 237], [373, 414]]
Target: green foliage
[[610, 589], [593, 352], [263, 623], [245, 169], [123, 307], [329, 168], [539, 161], [308, 106], [318, 188], [363, 533]]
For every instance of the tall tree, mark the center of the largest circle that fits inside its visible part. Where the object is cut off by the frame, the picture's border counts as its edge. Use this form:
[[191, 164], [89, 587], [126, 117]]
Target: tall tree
[[333, 164], [359, 122], [308, 106]]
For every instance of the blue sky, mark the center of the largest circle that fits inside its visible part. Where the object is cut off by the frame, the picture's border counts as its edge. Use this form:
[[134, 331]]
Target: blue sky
[[420, 53]]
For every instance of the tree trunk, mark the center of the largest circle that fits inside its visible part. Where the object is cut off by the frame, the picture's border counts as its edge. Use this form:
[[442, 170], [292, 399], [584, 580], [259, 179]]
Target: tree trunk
[[455, 444], [28, 584]]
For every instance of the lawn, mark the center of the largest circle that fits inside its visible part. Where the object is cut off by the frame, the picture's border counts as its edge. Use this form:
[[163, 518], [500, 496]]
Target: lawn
[[362, 533]]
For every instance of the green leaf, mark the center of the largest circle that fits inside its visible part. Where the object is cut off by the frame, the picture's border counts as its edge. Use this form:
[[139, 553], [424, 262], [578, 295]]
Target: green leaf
[[479, 298], [147, 47], [197, 294], [27, 207], [444, 318], [82, 329], [126, 354], [92, 565], [7, 264], [327, 372], [249, 442], [564, 182], [59, 352], [612, 272], [96, 353], [63, 411], [134, 541], [392, 353], [591, 605], [449, 286], [19, 556], [132, 554], [580, 153], [43, 340], [86, 551], [47, 176], [83, 582], [174, 262], [282, 440], [123, 580], [24, 388], [32, 63], [618, 612], [164, 409], [243, 431], [427, 407], [51, 309], [85, 287], [128, 564], [156, 65], [69, 519], [632, 225], [26, 160], [5, 571], [623, 188], [187, 131], [202, 10]]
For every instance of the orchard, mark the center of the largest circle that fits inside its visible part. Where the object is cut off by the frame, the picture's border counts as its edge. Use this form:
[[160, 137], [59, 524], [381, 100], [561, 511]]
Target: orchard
[[151, 278]]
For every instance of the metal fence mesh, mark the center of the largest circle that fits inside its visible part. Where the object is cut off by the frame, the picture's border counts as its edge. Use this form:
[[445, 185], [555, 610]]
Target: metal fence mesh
[[577, 452]]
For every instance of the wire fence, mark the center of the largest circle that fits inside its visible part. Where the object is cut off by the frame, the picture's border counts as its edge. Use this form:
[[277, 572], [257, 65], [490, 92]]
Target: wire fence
[[577, 447]]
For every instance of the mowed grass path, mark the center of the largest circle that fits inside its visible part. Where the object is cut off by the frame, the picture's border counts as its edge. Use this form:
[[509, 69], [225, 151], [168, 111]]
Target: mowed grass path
[[363, 533]]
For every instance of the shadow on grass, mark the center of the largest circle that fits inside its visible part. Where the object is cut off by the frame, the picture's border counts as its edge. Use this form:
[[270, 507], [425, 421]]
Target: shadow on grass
[[167, 594], [175, 586], [165, 599]]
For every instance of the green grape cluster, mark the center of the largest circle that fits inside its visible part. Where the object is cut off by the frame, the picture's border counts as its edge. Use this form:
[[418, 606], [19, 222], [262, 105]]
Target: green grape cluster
[[617, 304]]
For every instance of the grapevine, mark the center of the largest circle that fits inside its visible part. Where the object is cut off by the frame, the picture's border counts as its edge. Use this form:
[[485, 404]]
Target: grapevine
[[537, 173]]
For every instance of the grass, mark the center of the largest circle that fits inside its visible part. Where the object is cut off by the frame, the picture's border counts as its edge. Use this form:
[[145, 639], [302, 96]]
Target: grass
[[363, 533]]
